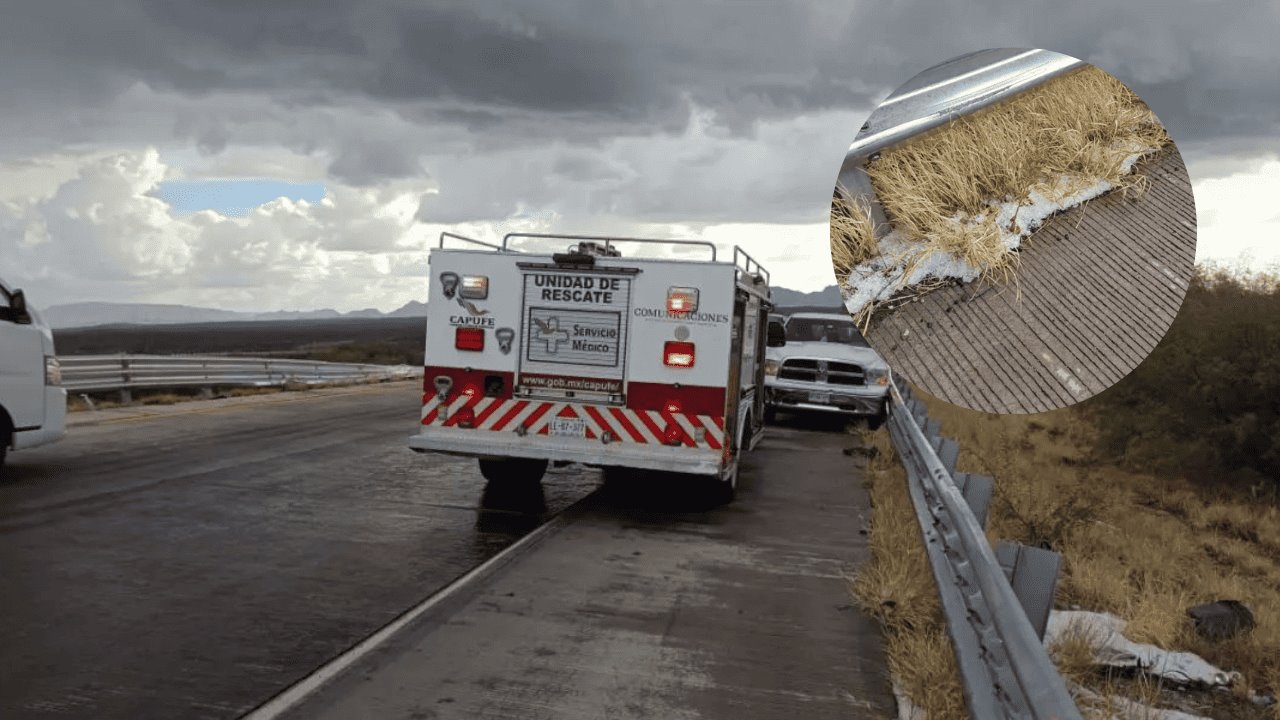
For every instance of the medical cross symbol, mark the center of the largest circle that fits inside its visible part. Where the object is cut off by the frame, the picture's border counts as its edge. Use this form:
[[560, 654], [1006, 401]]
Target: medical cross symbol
[[549, 332]]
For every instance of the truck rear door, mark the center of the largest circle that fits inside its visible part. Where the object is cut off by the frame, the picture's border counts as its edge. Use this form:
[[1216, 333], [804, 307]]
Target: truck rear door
[[575, 330]]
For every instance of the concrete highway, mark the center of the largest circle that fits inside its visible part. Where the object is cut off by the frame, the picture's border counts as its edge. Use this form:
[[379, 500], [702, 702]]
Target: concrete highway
[[195, 560], [191, 562]]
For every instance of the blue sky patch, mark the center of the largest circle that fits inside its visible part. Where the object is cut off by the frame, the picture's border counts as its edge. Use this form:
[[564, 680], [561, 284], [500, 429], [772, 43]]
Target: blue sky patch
[[233, 197]]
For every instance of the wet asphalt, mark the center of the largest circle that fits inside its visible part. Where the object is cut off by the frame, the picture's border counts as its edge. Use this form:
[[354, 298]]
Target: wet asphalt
[[193, 563]]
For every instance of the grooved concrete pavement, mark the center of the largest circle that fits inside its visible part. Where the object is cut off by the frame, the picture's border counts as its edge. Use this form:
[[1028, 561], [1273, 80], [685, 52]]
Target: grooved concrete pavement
[[638, 607], [1096, 289]]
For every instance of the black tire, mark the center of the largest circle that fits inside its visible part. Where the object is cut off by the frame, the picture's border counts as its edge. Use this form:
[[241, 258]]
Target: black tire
[[5, 439], [874, 422], [770, 415], [513, 471], [726, 491]]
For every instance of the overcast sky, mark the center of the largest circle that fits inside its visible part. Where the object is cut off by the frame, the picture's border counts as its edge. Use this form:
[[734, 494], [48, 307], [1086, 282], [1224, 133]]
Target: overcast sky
[[388, 121]]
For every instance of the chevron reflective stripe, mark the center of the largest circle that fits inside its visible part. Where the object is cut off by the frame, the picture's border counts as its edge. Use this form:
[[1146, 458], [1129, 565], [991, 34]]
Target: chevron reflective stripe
[[626, 425]]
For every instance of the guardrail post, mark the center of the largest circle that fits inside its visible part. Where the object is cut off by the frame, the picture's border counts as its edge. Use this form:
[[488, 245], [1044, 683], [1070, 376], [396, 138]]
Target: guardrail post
[[977, 491], [126, 377], [1033, 573]]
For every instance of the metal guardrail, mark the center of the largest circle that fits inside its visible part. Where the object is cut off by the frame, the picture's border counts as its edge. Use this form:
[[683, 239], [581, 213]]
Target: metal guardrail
[[938, 95], [995, 602], [90, 373]]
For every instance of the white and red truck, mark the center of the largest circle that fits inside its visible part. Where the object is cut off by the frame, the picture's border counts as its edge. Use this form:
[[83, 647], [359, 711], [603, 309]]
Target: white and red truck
[[589, 356]]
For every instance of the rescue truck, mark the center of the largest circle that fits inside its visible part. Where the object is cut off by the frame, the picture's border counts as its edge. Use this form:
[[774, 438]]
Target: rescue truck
[[589, 356]]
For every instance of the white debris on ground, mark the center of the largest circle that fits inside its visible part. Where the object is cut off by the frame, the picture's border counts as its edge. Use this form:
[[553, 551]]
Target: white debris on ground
[[885, 275], [907, 710], [1105, 634], [1119, 708]]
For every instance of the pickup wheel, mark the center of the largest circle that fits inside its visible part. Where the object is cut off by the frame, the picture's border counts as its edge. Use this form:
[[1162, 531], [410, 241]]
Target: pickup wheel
[[875, 421], [513, 471], [5, 438], [770, 415]]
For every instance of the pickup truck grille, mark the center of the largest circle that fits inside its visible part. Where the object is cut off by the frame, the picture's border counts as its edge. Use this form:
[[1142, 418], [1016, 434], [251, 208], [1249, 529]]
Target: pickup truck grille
[[822, 371]]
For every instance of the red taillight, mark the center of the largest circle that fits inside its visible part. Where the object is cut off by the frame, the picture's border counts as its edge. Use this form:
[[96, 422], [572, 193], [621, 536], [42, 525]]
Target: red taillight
[[678, 354], [469, 339], [673, 435], [465, 418]]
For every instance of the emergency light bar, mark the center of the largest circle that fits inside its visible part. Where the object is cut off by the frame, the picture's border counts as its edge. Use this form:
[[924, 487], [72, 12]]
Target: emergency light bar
[[474, 287], [682, 300]]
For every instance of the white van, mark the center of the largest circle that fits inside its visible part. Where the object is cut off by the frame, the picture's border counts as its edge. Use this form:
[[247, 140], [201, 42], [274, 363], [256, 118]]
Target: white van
[[33, 406]]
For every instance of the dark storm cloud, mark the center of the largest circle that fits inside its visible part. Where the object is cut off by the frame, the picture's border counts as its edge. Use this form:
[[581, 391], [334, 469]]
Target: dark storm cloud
[[521, 73]]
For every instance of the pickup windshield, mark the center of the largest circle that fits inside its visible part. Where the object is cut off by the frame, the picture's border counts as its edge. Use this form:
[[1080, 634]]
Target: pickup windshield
[[819, 330]]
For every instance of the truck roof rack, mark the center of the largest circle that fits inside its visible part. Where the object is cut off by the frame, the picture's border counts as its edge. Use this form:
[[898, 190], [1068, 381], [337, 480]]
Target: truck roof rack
[[463, 238], [748, 265], [608, 241]]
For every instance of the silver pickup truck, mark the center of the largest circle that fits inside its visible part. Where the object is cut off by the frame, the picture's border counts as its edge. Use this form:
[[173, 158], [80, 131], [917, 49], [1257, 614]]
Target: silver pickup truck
[[819, 362]]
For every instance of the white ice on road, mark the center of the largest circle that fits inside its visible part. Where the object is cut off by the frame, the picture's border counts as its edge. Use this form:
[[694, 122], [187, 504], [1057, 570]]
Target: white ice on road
[[1105, 634], [885, 275]]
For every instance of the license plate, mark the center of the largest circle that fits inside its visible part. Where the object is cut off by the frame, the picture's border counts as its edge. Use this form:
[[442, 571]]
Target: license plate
[[823, 398], [568, 427]]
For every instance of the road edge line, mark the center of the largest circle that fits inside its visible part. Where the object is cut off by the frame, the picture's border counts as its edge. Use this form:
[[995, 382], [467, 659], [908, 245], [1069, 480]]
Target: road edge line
[[293, 696]]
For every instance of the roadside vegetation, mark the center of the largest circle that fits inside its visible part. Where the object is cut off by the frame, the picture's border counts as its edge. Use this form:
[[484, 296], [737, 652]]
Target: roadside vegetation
[[1161, 493]]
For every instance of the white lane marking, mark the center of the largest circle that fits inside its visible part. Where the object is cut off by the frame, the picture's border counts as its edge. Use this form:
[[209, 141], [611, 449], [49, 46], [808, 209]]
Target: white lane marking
[[292, 696]]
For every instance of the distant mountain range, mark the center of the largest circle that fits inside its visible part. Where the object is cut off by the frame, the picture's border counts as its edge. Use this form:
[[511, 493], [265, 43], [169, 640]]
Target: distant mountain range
[[828, 296], [87, 314]]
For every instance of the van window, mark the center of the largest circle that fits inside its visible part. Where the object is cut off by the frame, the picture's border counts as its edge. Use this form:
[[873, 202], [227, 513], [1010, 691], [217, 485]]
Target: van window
[[822, 330], [6, 307]]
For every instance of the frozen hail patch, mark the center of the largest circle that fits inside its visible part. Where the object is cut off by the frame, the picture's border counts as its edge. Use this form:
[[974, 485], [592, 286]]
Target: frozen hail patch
[[886, 275]]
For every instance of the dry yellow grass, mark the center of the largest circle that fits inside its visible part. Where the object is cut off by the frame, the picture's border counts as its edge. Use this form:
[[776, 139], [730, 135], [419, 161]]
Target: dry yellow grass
[[896, 587], [1140, 546], [853, 235], [1056, 139]]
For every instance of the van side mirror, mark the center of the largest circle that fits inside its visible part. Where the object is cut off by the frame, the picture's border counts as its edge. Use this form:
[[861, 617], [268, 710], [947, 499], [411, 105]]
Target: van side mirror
[[776, 334], [18, 312]]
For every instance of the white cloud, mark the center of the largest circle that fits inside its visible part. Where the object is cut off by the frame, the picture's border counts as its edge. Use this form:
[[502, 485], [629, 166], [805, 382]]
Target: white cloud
[[86, 227], [1238, 217]]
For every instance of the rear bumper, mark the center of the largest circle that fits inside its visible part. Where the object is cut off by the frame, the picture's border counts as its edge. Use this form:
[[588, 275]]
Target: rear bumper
[[482, 444], [55, 422], [844, 400]]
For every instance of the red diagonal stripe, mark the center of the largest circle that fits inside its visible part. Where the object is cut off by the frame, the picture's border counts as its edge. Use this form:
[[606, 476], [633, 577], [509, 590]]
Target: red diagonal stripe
[[485, 413], [453, 419], [671, 420], [711, 439], [625, 423], [648, 421], [515, 410], [599, 418], [533, 416]]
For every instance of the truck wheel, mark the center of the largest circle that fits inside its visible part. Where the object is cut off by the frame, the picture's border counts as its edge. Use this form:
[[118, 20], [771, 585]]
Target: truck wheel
[[770, 415], [5, 439], [875, 421], [726, 490], [513, 471]]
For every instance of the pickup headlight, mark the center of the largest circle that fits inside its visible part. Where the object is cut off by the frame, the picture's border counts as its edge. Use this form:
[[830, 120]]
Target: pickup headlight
[[52, 371], [771, 367], [878, 377]]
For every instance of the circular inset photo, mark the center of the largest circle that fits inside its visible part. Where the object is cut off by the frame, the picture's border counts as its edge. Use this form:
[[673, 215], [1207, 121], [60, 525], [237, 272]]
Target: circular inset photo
[[1013, 230]]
